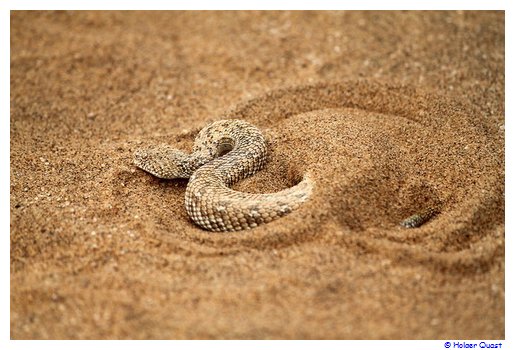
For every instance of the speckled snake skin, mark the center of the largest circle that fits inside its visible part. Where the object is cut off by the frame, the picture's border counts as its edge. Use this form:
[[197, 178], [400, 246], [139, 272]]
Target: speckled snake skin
[[224, 152]]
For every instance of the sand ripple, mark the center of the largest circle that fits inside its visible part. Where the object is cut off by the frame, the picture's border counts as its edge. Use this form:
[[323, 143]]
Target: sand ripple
[[378, 153]]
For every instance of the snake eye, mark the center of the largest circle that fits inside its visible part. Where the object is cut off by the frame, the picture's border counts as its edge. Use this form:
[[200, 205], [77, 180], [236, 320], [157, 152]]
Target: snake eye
[[140, 156]]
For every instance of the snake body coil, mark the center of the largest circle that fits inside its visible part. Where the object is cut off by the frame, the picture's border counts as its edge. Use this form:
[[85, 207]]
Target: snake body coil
[[224, 152]]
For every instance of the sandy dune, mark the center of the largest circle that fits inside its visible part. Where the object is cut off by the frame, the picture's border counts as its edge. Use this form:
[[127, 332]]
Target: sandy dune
[[391, 114]]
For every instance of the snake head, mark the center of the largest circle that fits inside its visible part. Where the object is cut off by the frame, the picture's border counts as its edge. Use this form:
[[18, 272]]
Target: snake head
[[164, 162]]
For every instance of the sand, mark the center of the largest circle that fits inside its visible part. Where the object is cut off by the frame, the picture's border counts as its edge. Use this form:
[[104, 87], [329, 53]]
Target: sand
[[391, 112]]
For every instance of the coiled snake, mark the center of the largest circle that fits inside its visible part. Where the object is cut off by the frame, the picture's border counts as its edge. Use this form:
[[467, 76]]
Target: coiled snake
[[224, 152]]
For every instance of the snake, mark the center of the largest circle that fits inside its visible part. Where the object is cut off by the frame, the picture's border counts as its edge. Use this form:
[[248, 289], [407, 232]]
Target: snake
[[224, 152]]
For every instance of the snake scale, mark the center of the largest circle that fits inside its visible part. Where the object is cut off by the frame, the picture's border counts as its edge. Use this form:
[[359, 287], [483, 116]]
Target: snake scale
[[224, 152]]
